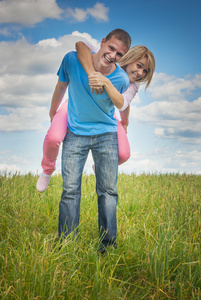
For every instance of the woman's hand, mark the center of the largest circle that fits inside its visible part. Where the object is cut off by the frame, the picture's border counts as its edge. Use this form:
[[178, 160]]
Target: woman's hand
[[97, 82], [125, 118], [124, 126]]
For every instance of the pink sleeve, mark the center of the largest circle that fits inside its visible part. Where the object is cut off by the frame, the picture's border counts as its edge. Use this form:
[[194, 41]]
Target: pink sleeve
[[90, 46], [129, 94]]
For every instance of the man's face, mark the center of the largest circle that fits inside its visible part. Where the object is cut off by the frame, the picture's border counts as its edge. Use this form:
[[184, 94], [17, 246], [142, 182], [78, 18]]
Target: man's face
[[111, 51]]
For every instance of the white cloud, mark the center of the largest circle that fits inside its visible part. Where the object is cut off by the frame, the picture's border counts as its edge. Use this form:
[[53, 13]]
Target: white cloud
[[77, 14], [26, 90], [5, 32], [170, 88], [164, 111], [197, 80], [28, 78], [14, 159], [87, 37], [181, 160], [49, 43], [173, 117], [139, 161], [23, 119], [21, 57], [163, 160], [9, 169], [99, 12], [28, 12], [12, 164]]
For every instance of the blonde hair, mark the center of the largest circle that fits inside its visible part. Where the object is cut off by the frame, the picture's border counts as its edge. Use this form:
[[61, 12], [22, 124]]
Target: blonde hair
[[135, 53]]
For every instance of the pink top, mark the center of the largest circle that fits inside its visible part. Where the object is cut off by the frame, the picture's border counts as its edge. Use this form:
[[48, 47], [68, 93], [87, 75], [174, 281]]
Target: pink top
[[129, 94], [132, 90]]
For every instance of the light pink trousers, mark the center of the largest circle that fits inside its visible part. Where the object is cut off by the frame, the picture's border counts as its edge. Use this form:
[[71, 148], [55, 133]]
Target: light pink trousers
[[57, 132]]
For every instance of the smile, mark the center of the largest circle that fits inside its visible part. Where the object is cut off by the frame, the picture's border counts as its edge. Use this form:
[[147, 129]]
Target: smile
[[108, 60]]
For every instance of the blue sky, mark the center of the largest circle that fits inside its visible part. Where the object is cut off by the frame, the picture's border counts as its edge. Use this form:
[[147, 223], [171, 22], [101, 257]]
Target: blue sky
[[165, 122]]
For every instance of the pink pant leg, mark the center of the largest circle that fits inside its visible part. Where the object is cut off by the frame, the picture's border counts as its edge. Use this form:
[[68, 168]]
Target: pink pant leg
[[53, 139], [123, 144]]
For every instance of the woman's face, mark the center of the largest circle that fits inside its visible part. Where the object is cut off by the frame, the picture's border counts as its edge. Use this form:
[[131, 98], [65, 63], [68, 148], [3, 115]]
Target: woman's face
[[138, 69]]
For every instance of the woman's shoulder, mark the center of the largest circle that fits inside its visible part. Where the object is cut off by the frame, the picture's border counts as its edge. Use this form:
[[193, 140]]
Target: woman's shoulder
[[134, 86], [90, 46]]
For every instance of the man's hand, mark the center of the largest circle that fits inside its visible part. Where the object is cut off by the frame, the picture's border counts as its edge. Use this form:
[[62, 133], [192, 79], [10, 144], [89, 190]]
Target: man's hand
[[51, 114], [97, 90], [57, 97]]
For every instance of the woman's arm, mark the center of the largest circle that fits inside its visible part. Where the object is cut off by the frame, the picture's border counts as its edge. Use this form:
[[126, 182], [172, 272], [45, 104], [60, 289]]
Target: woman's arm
[[128, 95], [84, 56], [113, 93]]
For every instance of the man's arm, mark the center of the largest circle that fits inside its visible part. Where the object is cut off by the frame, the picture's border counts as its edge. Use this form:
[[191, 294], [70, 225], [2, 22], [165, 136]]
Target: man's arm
[[57, 97], [125, 117]]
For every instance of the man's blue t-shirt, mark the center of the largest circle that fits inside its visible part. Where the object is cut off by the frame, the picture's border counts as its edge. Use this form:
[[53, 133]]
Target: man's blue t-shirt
[[88, 113]]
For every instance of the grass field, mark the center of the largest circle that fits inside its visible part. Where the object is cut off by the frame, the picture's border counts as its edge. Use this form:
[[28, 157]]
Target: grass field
[[159, 241]]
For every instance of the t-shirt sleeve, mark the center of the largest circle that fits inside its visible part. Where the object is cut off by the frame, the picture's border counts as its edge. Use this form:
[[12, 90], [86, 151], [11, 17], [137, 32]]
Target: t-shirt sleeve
[[63, 70], [124, 82], [90, 46], [129, 94]]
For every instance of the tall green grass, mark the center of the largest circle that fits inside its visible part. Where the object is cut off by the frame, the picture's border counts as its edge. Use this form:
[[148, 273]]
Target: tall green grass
[[159, 243]]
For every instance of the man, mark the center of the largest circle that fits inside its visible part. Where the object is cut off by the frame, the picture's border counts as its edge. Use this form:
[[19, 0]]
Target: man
[[91, 126]]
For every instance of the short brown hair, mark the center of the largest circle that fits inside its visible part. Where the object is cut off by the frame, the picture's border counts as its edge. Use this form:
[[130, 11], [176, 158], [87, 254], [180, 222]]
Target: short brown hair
[[121, 35]]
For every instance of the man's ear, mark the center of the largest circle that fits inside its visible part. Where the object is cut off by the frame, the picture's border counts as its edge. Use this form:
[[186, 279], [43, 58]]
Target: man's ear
[[102, 42]]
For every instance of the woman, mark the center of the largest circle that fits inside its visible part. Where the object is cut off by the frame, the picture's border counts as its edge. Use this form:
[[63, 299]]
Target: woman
[[139, 64]]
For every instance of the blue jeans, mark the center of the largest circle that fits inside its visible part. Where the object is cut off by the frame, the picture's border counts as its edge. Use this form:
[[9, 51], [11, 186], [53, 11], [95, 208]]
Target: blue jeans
[[104, 149]]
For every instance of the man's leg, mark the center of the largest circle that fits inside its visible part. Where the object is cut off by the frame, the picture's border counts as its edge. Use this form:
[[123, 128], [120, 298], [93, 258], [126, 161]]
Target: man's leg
[[74, 155], [105, 153]]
